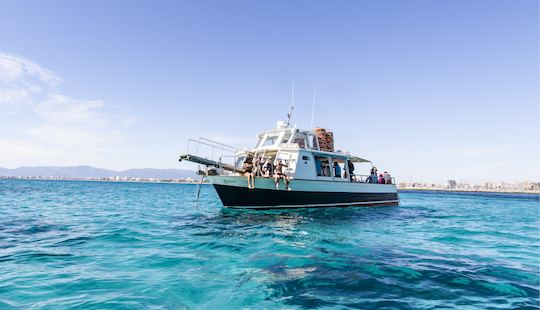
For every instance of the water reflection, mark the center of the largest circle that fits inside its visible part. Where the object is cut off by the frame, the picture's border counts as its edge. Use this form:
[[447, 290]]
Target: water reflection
[[290, 218]]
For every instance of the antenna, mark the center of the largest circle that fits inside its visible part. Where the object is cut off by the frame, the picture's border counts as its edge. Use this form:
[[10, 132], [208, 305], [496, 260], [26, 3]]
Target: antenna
[[313, 108], [289, 115]]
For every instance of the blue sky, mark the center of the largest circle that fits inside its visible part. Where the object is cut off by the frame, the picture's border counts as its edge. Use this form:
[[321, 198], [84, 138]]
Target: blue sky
[[429, 90]]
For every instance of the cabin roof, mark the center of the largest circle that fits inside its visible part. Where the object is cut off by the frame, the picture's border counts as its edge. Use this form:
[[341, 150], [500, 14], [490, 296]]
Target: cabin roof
[[356, 159], [352, 158], [278, 130]]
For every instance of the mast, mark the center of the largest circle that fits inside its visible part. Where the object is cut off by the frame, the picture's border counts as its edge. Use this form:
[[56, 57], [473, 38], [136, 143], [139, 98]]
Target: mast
[[289, 115], [313, 108]]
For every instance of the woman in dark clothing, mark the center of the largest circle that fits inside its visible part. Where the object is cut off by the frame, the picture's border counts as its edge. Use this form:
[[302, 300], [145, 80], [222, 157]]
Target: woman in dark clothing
[[248, 172], [351, 169], [280, 175]]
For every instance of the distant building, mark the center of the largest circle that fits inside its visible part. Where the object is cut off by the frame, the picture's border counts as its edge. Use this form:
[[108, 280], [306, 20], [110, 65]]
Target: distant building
[[529, 186], [451, 184]]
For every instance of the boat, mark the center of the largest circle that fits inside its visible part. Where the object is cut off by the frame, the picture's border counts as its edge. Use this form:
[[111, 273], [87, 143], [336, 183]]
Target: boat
[[318, 175]]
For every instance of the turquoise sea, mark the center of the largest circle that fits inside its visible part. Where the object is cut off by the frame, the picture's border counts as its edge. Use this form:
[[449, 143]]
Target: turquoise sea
[[104, 245]]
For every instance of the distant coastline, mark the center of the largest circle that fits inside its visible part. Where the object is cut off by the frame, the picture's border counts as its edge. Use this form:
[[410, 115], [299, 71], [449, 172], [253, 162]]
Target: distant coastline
[[115, 180], [89, 172], [194, 181], [494, 191], [525, 187]]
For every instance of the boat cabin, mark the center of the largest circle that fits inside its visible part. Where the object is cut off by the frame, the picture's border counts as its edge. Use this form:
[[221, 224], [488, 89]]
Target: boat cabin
[[300, 151]]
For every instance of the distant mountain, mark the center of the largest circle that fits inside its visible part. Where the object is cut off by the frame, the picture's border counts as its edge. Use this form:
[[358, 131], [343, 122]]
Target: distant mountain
[[87, 172], [158, 173]]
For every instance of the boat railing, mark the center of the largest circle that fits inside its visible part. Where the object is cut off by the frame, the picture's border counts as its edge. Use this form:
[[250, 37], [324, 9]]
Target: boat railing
[[363, 178], [209, 149], [360, 178], [209, 153], [231, 162]]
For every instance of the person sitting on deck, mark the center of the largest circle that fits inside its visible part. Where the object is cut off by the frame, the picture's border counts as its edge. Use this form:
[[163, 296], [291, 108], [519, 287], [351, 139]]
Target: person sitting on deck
[[337, 170], [387, 178], [248, 172], [267, 168], [372, 176], [257, 167], [381, 179], [280, 175]]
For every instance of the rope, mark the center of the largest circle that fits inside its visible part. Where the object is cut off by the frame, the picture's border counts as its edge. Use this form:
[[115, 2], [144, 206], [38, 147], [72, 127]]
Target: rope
[[199, 186]]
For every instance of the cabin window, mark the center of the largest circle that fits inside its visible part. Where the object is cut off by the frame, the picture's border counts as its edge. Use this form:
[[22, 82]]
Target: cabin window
[[300, 139], [322, 165], [258, 144], [305, 157], [239, 161], [338, 165], [313, 142], [270, 140], [286, 137]]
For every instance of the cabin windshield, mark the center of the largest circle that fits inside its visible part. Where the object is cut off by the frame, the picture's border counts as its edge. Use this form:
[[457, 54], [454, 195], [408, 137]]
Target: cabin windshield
[[286, 137], [270, 140], [258, 144]]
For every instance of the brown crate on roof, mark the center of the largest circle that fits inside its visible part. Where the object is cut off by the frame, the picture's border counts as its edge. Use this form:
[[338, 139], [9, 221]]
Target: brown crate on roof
[[326, 139]]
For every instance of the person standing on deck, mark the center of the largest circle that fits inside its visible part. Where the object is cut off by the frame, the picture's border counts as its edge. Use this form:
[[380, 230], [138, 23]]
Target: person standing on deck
[[318, 166], [351, 169], [373, 175], [337, 170]]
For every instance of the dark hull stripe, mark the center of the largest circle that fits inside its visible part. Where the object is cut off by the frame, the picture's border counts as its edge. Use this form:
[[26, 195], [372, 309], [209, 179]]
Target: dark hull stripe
[[368, 204], [242, 197]]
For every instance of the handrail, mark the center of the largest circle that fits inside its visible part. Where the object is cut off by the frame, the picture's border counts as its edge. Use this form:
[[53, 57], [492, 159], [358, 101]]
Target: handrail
[[207, 144], [225, 146], [234, 160], [210, 150], [364, 177]]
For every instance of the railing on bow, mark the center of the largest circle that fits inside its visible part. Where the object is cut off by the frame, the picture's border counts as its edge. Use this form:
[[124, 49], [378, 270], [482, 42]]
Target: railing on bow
[[211, 153], [209, 149]]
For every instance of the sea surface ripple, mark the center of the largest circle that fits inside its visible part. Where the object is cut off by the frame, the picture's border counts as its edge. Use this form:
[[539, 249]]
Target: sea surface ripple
[[105, 245]]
